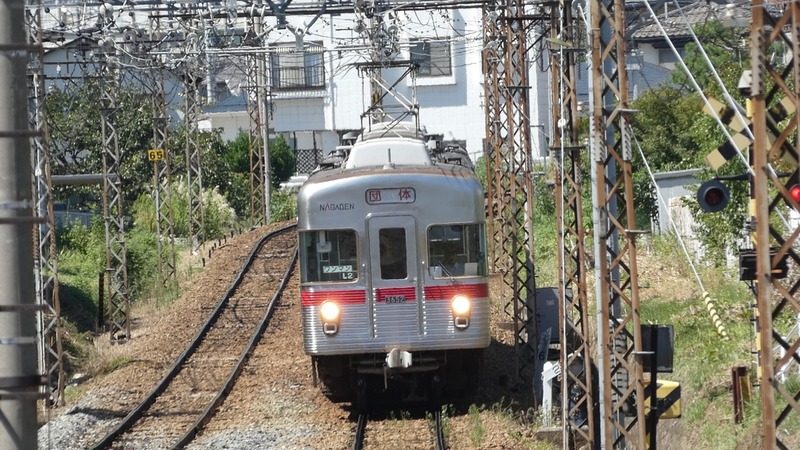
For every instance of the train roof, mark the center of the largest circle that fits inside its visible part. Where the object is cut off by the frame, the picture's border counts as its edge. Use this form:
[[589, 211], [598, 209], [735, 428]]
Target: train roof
[[391, 169], [388, 130], [388, 150], [395, 144]]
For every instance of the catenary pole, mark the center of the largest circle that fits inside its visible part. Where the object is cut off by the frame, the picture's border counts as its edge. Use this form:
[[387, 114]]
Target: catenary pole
[[19, 381]]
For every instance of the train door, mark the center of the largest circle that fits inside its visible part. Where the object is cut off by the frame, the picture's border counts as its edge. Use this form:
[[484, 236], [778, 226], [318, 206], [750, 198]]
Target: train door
[[395, 294]]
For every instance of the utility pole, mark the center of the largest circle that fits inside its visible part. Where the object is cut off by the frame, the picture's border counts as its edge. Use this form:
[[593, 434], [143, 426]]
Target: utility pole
[[51, 353], [777, 300], [259, 203], [118, 296], [509, 167], [577, 391], [19, 378], [194, 178], [617, 287]]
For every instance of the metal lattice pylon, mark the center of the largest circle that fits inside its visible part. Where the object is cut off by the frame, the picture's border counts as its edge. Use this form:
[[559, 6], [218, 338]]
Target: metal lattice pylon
[[577, 394], [194, 179], [255, 96], [116, 279], [777, 302], [162, 179], [493, 69], [508, 155], [51, 352], [619, 337]]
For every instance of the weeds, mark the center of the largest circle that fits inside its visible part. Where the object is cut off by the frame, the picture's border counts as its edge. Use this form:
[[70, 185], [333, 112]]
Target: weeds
[[116, 363], [476, 430]]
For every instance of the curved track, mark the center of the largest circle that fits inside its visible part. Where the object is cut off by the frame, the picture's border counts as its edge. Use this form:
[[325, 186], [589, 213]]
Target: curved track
[[183, 401]]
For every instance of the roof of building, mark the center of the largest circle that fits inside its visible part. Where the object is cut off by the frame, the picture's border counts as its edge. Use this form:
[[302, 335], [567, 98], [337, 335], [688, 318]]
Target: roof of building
[[676, 22], [234, 103]]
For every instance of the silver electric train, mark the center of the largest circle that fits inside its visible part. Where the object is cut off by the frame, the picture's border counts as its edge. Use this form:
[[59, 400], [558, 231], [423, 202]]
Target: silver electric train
[[393, 266]]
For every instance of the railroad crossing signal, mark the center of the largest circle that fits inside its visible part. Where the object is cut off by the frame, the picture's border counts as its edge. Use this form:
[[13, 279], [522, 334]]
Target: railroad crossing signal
[[742, 141], [792, 194], [713, 196], [794, 191]]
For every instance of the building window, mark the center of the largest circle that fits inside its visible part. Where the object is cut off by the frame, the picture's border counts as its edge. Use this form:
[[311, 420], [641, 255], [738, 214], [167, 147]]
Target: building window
[[666, 55], [292, 69], [433, 58]]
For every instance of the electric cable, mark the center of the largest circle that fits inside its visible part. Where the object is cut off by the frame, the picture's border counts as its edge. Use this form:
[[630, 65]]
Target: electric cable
[[712, 310], [713, 114]]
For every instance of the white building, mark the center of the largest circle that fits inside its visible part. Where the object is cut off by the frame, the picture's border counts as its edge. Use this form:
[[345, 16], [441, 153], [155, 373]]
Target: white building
[[317, 92]]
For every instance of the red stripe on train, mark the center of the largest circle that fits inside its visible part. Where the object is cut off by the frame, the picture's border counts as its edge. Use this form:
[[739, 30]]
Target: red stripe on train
[[342, 297], [447, 292]]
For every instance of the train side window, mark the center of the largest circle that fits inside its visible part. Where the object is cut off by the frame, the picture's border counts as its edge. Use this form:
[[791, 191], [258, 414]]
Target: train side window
[[328, 256], [456, 250], [394, 264]]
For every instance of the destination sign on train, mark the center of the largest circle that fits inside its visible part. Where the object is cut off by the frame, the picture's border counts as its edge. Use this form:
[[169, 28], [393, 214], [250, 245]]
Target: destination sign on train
[[391, 195]]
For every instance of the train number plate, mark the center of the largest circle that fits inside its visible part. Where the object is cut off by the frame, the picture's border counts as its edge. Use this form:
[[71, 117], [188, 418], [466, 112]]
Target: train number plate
[[395, 299]]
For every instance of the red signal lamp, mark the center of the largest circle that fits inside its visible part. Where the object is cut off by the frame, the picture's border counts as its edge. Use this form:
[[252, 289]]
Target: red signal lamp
[[794, 192], [713, 196]]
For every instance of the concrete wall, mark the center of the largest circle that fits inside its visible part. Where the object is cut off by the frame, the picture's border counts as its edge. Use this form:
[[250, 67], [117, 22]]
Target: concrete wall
[[673, 187]]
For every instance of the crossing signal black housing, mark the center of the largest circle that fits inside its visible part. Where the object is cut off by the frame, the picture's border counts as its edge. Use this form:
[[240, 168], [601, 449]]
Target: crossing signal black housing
[[747, 264], [713, 196]]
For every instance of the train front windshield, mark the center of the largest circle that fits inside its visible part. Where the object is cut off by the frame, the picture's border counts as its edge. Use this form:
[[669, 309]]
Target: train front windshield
[[457, 250], [328, 256]]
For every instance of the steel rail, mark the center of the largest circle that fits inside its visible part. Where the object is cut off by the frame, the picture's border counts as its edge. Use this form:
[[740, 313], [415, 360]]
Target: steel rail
[[441, 442], [128, 422], [361, 427], [206, 415]]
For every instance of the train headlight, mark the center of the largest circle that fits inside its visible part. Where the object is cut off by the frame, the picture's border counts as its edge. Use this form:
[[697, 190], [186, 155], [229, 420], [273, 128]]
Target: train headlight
[[329, 313], [461, 307]]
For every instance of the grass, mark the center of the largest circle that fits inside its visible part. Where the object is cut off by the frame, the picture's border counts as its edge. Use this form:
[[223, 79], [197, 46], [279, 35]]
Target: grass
[[116, 363], [477, 430], [703, 359], [670, 294]]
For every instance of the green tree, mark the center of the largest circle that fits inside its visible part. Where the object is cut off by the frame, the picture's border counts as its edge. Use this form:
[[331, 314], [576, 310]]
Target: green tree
[[74, 125], [661, 127], [282, 161], [726, 49], [676, 134], [234, 181]]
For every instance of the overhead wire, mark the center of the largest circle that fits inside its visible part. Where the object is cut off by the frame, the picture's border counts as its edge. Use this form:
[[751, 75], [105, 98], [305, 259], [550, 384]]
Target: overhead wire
[[712, 310], [713, 114]]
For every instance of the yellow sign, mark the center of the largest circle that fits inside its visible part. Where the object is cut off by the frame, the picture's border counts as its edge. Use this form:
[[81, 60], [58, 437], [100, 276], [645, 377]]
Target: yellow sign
[[668, 399], [741, 142], [156, 154]]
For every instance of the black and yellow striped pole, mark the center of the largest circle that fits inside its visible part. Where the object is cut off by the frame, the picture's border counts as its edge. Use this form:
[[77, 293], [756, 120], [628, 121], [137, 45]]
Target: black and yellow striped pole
[[712, 310]]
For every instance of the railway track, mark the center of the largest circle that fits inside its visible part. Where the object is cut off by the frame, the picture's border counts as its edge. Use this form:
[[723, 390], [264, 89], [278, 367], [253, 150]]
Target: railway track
[[186, 397], [409, 431]]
